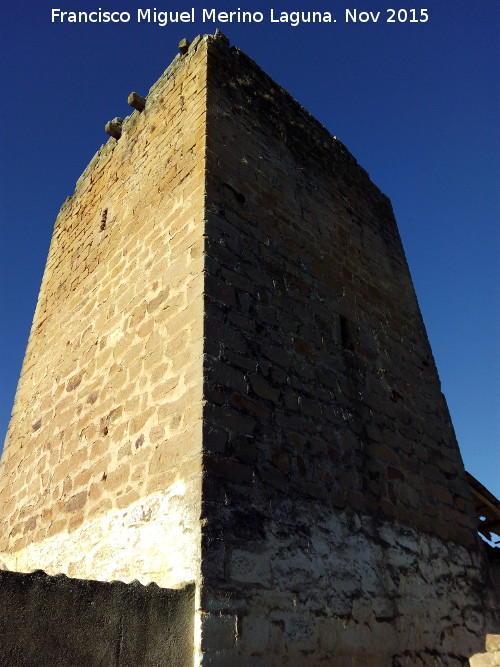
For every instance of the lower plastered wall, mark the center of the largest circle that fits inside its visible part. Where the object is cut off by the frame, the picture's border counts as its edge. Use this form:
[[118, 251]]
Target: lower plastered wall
[[79, 623], [342, 590], [124, 544]]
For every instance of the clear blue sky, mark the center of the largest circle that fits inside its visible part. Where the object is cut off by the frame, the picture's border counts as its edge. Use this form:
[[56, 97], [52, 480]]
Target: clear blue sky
[[416, 103]]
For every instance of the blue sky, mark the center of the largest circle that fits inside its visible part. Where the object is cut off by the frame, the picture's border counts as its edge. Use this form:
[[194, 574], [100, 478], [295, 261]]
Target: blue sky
[[416, 104]]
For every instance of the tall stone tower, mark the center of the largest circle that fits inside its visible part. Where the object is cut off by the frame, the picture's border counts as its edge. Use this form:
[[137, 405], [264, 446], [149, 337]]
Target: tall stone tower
[[228, 382]]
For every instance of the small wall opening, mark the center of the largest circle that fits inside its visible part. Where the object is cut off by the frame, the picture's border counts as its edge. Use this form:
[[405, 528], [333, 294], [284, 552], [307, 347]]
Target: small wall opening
[[346, 333]]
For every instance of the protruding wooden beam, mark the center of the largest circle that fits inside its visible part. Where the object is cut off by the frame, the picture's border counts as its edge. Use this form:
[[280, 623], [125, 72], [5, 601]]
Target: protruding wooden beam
[[136, 101], [184, 45], [114, 127]]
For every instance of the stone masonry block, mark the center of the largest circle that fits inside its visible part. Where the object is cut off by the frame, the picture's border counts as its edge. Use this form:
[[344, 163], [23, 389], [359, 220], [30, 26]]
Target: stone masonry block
[[218, 631]]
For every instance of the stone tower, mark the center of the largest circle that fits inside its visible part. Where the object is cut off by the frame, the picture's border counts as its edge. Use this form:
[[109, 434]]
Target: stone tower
[[228, 382]]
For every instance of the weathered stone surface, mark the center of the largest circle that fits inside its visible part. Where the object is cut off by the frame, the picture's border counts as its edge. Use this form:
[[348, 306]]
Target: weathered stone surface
[[492, 643], [482, 660], [107, 418], [342, 413]]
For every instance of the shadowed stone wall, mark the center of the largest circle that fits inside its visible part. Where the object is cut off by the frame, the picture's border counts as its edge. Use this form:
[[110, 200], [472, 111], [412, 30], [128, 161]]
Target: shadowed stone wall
[[339, 527]]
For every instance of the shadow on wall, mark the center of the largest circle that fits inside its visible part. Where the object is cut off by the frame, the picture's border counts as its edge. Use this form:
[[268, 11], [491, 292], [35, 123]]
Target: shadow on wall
[[79, 623]]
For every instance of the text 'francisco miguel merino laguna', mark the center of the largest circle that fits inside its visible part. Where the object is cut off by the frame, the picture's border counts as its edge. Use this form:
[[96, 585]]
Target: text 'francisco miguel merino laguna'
[[206, 15], [163, 18]]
